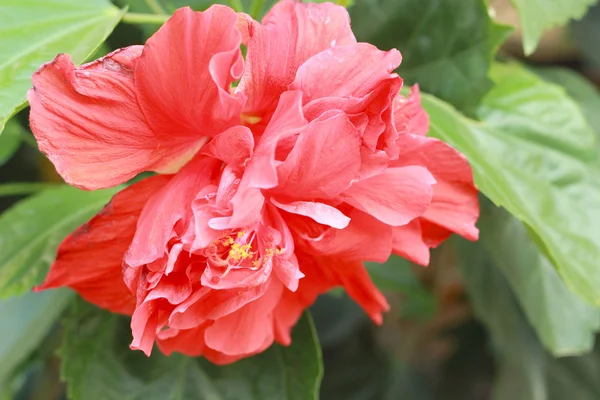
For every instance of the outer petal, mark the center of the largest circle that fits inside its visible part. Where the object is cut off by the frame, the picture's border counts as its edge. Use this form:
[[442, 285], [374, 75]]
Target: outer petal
[[365, 238], [324, 160], [454, 206], [396, 196], [173, 203], [345, 71], [88, 122], [293, 32], [407, 242], [90, 259], [409, 116], [184, 74], [248, 330]]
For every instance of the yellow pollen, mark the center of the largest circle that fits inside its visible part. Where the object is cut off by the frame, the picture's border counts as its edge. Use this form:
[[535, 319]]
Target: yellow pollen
[[238, 252], [241, 234], [250, 119]]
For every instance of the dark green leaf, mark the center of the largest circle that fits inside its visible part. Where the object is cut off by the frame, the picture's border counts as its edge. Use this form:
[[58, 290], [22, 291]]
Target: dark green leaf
[[447, 45], [524, 370], [34, 32], [25, 322], [96, 365], [565, 324], [10, 140], [31, 230], [534, 155], [396, 276], [538, 15]]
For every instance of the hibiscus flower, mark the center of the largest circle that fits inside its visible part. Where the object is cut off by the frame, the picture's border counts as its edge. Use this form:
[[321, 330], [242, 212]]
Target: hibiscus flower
[[268, 194]]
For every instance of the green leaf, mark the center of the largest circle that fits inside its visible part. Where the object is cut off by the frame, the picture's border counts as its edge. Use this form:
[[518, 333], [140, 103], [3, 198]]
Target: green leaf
[[31, 231], [447, 45], [534, 155], [10, 140], [580, 89], [524, 370], [97, 365], [565, 324], [396, 276], [34, 32], [25, 322], [538, 15]]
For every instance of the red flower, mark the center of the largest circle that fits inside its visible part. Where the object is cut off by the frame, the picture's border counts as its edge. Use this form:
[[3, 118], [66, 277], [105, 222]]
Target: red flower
[[315, 165]]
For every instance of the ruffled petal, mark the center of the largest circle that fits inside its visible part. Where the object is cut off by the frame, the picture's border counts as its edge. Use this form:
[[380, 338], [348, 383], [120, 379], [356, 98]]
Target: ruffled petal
[[248, 330], [409, 115], [168, 206], [454, 205], [88, 122], [324, 160], [90, 259], [184, 74], [345, 71], [291, 33], [233, 147], [396, 196]]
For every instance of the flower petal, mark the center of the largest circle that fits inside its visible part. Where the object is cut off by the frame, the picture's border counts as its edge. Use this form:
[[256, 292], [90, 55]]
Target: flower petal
[[407, 242], [88, 122], [409, 115], [171, 204], [249, 330], [185, 71], [291, 33], [320, 212], [90, 259], [345, 71], [324, 160], [454, 205], [396, 196], [233, 147]]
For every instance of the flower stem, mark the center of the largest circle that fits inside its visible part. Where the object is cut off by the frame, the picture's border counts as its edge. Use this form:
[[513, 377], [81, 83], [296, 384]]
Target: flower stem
[[138, 18], [155, 6], [236, 5], [24, 188], [257, 6], [29, 140]]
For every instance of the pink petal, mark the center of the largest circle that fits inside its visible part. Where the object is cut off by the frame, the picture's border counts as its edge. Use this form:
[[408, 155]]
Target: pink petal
[[454, 205], [409, 115], [291, 33], [185, 72], [166, 208], [324, 160], [233, 147], [248, 330], [144, 323], [90, 259], [287, 121], [88, 122], [407, 242], [345, 71], [320, 212], [396, 196], [188, 341], [365, 238]]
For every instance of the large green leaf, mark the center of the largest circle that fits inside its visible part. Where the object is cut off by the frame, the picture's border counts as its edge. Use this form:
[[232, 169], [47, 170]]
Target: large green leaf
[[524, 370], [538, 15], [34, 32], [97, 365], [31, 230], [534, 155], [447, 45], [579, 89], [10, 140], [565, 324], [25, 322]]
